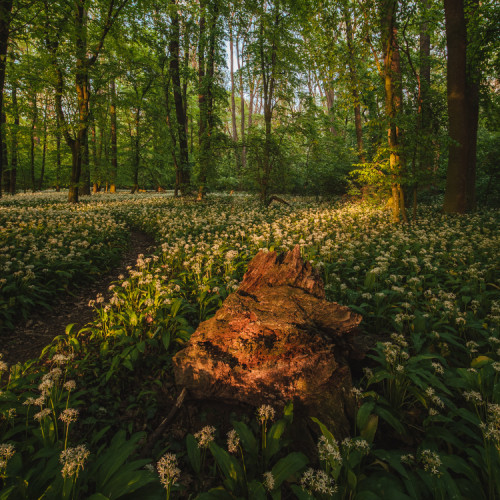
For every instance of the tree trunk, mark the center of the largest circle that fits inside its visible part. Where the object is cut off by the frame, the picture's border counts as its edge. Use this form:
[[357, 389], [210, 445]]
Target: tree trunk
[[58, 154], [5, 173], [34, 119], [15, 128], [463, 109], [44, 146], [182, 173], [242, 109], [393, 103], [268, 83], [95, 173], [137, 153], [114, 148], [353, 75], [5, 19]]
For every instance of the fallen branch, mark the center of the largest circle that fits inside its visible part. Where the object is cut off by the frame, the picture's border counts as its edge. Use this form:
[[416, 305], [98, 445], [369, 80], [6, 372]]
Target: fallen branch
[[277, 198], [148, 446]]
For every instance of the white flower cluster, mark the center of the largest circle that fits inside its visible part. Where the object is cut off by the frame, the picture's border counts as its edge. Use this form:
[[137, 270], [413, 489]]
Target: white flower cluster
[[73, 460], [168, 470]]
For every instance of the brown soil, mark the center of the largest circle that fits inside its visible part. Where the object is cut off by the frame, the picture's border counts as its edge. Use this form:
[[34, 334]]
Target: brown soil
[[29, 338]]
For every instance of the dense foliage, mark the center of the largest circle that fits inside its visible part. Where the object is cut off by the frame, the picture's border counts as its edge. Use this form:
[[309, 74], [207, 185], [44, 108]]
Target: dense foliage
[[263, 95], [428, 416]]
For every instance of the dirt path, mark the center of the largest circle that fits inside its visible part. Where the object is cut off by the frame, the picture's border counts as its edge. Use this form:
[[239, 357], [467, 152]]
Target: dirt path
[[30, 337]]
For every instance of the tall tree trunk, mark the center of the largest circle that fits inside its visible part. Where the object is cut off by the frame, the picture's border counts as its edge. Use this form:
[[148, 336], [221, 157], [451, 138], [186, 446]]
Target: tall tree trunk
[[393, 103], [182, 174], [114, 147], [463, 109], [202, 102], [231, 66], [137, 153], [44, 146], [242, 108], [58, 154], [424, 152], [233, 102], [15, 128], [353, 76], [268, 87], [5, 20], [34, 119], [95, 163], [5, 173]]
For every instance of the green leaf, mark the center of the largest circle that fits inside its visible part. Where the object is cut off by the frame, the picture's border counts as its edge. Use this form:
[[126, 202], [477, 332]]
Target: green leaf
[[287, 467], [390, 419], [363, 414], [370, 429], [248, 440], [300, 493], [165, 338], [229, 466], [193, 453], [256, 490]]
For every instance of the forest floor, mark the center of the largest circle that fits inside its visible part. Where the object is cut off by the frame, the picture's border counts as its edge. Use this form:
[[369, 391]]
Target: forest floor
[[30, 337]]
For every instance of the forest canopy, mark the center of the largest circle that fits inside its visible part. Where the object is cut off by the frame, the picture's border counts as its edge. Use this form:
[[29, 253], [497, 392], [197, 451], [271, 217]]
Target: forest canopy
[[382, 98]]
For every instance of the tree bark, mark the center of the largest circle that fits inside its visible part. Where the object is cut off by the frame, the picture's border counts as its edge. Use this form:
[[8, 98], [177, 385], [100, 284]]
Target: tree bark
[[44, 146], [5, 173], [34, 119], [5, 20], [242, 108], [182, 174], [58, 154], [114, 141], [13, 155], [353, 75], [393, 103], [463, 109], [137, 153]]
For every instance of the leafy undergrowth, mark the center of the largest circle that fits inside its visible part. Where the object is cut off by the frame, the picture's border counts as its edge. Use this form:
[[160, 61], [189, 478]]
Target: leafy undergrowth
[[75, 424]]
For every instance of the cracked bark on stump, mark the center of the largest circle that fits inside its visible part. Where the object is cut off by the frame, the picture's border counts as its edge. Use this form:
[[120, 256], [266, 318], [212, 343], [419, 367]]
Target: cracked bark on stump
[[276, 339]]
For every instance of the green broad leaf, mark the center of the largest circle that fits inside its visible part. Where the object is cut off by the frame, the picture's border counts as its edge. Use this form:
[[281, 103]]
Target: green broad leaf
[[300, 493], [459, 466], [390, 419], [273, 439], [215, 494], [128, 478], [363, 414], [98, 496], [393, 458], [248, 441], [324, 430], [480, 361], [370, 429], [114, 457], [352, 480], [128, 364], [387, 487], [165, 338], [229, 466], [69, 329], [287, 467], [176, 305], [193, 453], [256, 490], [141, 346]]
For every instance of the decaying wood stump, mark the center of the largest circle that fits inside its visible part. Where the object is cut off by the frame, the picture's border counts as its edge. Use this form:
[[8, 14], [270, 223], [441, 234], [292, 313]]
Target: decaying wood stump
[[273, 340]]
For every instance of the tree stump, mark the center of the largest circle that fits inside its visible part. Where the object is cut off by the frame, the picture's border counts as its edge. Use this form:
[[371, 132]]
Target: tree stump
[[275, 339]]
